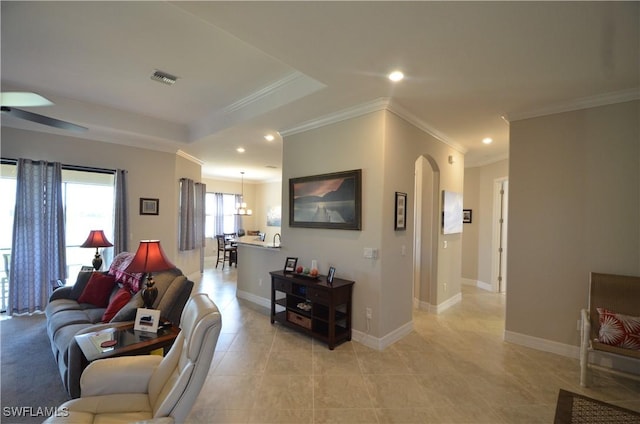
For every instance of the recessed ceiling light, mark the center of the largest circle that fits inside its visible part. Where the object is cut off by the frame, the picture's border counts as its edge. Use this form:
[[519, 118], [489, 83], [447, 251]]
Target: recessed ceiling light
[[240, 150], [487, 140], [396, 76], [269, 137]]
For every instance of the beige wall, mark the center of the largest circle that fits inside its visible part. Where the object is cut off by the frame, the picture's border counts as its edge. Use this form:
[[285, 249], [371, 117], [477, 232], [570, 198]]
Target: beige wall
[[386, 148], [150, 173], [477, 238], [574, 205]]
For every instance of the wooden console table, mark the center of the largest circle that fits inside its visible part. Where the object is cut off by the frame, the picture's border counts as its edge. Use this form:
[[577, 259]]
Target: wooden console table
[[313, 306]]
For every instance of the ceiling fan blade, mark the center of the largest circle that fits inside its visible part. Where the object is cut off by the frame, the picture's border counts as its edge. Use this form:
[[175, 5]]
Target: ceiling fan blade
[[41, 119]]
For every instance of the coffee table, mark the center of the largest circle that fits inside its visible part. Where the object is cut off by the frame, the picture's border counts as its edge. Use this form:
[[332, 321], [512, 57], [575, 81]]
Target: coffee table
[[125, 340]]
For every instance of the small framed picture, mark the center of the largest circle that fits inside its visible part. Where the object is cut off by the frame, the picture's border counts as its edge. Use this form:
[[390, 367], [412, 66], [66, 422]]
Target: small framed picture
[[331, 274], [149, 206], [467, 215], [147, 320], [401, 211], [290, 264]]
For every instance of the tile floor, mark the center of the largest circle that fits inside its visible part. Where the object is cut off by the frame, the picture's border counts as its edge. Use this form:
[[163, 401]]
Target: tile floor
[[454, 368]]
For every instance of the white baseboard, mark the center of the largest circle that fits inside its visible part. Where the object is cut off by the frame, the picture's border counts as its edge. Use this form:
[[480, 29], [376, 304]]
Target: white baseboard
[[436, 309], [384, 342], [254, 299], [542, 344], [603, 359], [480, 284]]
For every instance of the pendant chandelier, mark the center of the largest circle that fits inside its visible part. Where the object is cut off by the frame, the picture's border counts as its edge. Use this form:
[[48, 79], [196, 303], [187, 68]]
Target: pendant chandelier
[[241, 208]]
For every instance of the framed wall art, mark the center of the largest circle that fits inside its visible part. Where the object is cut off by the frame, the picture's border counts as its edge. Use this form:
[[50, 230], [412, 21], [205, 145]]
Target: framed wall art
[[326, 201], [451, 212], [467, 215], [401, 211], [149, 206]]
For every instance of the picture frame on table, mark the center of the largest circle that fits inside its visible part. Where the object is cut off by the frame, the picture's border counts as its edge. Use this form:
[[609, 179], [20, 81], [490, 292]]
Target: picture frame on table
[[290, 264], [401, 211], [147, 320], [331, 274], [331, 201], [149, 206]]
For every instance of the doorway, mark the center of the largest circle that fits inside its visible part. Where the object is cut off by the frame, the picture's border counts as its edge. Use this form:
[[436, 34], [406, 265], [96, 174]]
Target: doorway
[[425, 264]]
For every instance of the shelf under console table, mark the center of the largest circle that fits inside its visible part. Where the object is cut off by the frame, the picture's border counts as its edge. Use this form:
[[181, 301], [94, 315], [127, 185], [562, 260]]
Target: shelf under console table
[[313, 306]]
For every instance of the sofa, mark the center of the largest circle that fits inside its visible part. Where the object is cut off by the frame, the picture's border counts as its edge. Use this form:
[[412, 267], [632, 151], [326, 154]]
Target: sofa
[[98, 300]]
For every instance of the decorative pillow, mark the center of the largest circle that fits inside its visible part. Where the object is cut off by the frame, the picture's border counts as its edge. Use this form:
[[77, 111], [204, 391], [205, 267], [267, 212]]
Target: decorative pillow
[[117, 302], [619, 330], [128, 312], [81, 283], [97, 290], [128, 279]]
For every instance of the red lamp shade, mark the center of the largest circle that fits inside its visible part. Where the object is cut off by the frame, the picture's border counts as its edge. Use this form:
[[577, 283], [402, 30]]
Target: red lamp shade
[[149, 258], [96, 239]]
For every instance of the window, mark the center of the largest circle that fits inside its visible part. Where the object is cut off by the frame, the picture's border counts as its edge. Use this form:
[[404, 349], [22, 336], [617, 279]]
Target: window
[[88, 199], [223, 220]]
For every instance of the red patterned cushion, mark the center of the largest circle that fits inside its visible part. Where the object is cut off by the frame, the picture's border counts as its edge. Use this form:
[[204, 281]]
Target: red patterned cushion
[[118, 301], [97, 290], [619, 330], [129, 280]]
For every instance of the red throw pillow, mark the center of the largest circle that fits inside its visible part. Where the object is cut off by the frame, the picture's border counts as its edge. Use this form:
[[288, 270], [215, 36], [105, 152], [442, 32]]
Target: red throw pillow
[[97, 290], [619, 330], [118, 301]]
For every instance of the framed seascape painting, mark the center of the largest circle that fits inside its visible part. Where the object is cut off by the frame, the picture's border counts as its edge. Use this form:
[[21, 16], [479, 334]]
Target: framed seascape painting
[[327, 201]]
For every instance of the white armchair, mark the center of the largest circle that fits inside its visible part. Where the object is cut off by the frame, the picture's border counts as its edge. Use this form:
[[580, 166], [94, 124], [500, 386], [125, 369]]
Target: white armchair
[[150, 388]]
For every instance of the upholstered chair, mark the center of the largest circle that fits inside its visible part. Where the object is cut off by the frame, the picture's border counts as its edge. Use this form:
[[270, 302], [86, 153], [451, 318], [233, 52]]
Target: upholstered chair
[[150, 388]]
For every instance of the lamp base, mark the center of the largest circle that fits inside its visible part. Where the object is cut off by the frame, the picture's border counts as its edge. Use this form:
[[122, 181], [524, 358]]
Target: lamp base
[[97, 261], [149, 293]]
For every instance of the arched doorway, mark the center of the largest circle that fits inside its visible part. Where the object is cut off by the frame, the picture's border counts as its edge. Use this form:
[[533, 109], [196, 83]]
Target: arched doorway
[[426, 206]]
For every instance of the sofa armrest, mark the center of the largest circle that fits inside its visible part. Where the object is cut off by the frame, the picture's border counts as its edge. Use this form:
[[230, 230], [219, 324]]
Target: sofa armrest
[[61, 293], [125, 374]]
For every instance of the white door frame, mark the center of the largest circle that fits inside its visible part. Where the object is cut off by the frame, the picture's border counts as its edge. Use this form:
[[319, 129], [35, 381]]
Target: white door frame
[[499, 235]]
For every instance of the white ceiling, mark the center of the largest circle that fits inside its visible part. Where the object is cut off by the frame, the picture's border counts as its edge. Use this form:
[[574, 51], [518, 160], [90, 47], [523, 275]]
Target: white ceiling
[[250, 68]]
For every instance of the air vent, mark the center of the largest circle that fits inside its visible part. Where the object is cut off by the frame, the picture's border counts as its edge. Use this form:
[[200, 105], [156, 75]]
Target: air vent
[[163, 77]]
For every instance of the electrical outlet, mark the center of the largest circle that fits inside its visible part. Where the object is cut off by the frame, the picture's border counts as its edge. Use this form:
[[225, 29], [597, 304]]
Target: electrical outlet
[[369, 313], [260, 282], [445, 287]]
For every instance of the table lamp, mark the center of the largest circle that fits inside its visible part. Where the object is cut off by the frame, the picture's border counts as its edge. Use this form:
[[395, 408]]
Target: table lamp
[[148, 259], [96, 239]]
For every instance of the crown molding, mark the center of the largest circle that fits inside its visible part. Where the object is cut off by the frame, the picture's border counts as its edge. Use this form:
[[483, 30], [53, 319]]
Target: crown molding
[[578, 104], [341, 115], [412, 119], [382, 103], [187, 156], [263, 92]]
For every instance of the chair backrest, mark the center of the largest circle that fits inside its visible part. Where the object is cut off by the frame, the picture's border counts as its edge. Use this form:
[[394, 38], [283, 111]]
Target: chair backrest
[[617, 293], [221, 241], [176, 383]]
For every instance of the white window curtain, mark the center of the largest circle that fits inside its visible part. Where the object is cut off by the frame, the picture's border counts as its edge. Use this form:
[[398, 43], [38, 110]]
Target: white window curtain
[[38, 247]]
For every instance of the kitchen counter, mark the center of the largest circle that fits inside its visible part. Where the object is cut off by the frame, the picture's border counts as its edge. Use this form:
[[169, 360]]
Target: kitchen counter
[[253, 241]]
